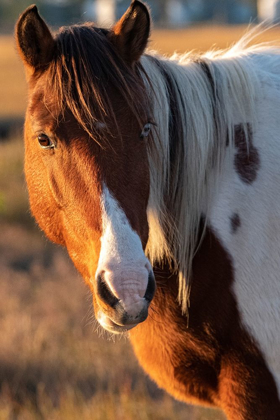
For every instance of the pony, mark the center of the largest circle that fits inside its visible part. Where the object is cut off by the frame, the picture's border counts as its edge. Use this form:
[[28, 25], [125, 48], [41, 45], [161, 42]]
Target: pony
[[161, 178]]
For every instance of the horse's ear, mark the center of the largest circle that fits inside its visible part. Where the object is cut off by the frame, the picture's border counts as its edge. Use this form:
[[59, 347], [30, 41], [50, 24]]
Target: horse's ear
[[34, 40], [131, 32]]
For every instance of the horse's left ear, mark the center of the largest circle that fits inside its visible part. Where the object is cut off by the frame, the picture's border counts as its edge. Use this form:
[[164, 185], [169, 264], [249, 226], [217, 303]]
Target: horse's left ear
[[34, 40], [131, 32]]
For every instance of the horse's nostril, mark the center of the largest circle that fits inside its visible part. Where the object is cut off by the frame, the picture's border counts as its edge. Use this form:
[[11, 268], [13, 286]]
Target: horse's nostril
[[151, 288], [105, 293]]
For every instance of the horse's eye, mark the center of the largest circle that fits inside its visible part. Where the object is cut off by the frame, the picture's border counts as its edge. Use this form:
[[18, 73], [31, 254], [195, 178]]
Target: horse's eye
[[45, 142], [146, 130]]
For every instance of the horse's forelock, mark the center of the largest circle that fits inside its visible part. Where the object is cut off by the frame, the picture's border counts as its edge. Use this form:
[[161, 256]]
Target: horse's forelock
[[87, 77]]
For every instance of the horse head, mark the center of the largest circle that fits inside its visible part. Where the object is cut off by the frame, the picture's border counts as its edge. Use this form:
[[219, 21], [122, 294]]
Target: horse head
[[87, 125]]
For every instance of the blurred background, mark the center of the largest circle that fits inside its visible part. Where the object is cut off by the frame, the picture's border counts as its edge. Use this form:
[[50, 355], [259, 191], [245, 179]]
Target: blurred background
[[171, 13], [55, 362]]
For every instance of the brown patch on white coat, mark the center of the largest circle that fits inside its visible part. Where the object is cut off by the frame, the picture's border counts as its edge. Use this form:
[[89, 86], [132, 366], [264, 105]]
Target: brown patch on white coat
[[247, 160]]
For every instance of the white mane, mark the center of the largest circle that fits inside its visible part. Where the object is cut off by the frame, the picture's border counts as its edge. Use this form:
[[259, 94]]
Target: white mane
[[183, 187]]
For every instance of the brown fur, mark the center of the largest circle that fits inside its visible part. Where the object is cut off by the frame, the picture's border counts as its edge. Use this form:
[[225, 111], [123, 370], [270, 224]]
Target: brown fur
[[69, 80], [235, 222], [247, 160]]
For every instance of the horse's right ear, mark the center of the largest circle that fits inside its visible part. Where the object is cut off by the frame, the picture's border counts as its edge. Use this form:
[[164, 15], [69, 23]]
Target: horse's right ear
[[34, 40], [131, 32]]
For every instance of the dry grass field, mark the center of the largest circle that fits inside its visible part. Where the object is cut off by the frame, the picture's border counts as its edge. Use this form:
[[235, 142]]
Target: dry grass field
[[55, 363]]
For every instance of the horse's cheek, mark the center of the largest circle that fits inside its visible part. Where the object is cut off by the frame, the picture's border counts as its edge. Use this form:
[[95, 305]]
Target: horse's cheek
[[84, 252], [42, 204]]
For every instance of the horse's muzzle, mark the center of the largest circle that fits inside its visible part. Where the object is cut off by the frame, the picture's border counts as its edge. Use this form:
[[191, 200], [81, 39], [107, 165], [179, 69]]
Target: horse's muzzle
[[120, 317]]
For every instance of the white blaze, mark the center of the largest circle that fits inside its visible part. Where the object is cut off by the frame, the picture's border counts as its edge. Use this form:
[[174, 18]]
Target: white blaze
[[122, 261]]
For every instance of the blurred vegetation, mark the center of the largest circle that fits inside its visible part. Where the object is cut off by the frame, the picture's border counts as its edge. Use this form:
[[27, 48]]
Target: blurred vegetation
[[13, 194]]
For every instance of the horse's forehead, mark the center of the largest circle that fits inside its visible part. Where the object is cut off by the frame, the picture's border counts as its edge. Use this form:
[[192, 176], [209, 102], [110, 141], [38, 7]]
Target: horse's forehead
[[42, 111], [46, 115]]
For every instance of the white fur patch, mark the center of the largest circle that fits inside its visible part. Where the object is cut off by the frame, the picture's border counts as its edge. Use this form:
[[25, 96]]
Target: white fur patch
[[255, 247], [122, 260]]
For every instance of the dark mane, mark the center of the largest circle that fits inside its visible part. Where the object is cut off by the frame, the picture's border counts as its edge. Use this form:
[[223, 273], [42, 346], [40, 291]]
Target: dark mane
[[87, 72]]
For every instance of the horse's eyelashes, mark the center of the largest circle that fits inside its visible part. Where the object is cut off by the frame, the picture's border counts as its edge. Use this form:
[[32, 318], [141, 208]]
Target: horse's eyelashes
[[45, 142]]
